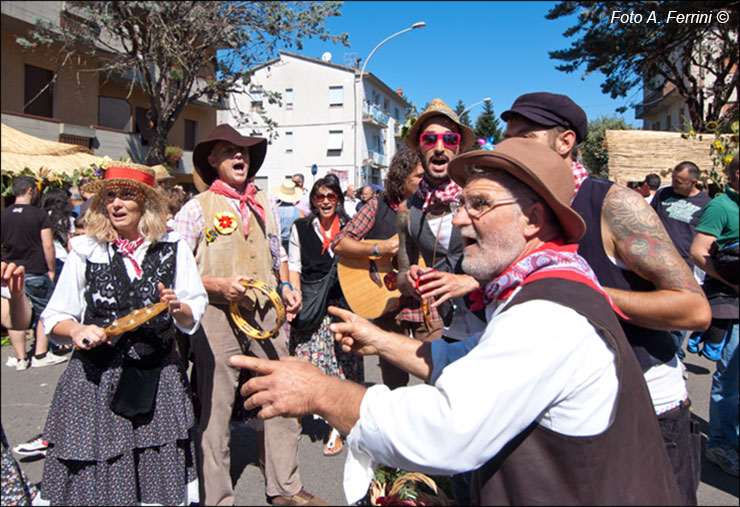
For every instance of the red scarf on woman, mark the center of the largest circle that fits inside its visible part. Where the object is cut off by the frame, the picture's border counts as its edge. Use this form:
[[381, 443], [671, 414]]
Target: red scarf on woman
[[127, 248], [329, 233], [247, 198]]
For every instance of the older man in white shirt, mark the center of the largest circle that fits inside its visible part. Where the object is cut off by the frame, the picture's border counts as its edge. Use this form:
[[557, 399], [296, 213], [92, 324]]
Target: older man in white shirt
[[551, 380]]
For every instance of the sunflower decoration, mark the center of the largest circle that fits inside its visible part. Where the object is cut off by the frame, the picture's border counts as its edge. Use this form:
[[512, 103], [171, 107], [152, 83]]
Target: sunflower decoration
[[225, 222]]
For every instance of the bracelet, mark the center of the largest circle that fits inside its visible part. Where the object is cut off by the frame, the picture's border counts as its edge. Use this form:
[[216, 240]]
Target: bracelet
[[284, 284], [376, 252]]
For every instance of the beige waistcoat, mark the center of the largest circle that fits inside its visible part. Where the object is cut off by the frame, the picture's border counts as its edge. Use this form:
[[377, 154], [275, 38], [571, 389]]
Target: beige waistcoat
[[234, 254]]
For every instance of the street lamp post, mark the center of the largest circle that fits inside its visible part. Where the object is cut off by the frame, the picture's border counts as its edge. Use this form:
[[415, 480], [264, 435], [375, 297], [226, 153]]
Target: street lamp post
[[358, 88], [487, 99]]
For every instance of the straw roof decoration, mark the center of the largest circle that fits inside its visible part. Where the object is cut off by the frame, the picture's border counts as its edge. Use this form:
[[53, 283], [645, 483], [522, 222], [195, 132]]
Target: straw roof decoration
[[633, 154], [42, 157]]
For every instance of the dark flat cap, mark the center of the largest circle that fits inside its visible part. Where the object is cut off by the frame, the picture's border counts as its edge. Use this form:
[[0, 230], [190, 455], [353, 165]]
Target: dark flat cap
[[550, 110]]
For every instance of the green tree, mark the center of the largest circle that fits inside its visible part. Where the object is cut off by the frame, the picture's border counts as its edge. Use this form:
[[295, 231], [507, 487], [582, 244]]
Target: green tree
[[699, 58], [170, 48], [487, 125], [462, 114], [595, 157]]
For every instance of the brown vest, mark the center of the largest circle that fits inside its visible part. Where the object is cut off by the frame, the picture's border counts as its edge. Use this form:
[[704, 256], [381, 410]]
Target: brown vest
[[234, 254], [625, 465]]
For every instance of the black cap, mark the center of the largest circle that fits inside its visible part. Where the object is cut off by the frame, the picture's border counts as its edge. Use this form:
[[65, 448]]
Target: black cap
[[550, 110]]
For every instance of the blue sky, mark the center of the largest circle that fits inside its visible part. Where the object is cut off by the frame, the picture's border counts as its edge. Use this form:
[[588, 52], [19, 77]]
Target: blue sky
[[468, 51]]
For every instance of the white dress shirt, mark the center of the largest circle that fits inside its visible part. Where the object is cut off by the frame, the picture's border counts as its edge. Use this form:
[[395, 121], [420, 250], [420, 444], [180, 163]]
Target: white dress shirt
[[68, 301], [538, 361]]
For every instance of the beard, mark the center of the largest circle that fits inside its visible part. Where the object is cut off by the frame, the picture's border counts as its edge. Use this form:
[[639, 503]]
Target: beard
[[488, 259]]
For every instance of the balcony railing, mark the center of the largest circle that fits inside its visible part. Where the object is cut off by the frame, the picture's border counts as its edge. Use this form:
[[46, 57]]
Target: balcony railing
[[373, 114], [376, 158]]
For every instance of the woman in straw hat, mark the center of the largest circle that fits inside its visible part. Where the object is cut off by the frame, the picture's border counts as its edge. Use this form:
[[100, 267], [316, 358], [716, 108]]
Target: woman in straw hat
[[120, 426]]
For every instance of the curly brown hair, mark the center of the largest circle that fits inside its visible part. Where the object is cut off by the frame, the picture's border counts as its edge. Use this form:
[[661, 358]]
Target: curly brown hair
[[403, 163]]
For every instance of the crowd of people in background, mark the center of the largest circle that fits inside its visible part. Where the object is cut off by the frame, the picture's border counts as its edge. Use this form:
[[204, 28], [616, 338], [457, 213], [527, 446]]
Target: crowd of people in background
[[623, 282]]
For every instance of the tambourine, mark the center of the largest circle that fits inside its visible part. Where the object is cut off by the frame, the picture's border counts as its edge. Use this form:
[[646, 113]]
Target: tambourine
[[244, 326], [134, 319]]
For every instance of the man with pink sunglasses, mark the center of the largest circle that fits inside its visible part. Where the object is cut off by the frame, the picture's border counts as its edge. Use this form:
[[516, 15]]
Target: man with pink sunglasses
[[439, 137]]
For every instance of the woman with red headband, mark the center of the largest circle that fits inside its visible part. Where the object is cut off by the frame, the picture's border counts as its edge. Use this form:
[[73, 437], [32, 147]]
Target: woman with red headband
[[120, 427]]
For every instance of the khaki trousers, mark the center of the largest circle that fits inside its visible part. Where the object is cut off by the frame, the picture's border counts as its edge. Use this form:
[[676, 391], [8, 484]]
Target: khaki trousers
[[217, 382], [392, 375]]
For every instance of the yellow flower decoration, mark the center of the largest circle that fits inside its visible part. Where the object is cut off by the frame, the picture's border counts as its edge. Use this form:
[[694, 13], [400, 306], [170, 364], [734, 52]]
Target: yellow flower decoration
[[691, 132], [728, 160], [225, 222]]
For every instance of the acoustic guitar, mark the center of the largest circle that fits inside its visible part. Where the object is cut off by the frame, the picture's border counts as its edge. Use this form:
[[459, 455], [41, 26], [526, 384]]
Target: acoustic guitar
[[370, 284]]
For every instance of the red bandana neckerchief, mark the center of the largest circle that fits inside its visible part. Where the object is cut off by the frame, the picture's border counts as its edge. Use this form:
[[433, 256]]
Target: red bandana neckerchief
[[247, 198], [392, 202], [127, 248], [442, 194], [554, 259], [328, 234], [580, 173]]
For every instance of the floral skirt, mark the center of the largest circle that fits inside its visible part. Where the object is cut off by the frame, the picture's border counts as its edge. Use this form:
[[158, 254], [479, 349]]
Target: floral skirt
[[322, 351], [16, 488]]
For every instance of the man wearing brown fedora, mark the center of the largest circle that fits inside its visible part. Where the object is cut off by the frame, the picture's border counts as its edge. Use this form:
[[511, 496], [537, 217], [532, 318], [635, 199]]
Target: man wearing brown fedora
[[562, 390], [425, 219], [234, 231], [637, 263]]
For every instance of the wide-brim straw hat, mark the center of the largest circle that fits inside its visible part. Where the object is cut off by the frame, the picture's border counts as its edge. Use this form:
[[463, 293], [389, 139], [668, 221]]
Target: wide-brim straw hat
[[437, 107], [288, 191], [257, 147], [161, 173], [126, 174], [535, 165]]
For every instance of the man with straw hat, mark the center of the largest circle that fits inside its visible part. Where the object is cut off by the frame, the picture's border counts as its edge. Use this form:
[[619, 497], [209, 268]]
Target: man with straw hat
[[234, 231], [551, 409], [439, 137], [288, 193]]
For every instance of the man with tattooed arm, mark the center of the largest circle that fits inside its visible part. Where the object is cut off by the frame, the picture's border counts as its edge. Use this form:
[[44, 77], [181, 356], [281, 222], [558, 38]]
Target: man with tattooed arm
[[638, 265]]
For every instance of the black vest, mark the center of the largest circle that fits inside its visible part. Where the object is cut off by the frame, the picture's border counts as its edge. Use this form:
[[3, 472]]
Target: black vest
[[110, 294], [627, 464], [314, 264], [385, 220], [649, 345]]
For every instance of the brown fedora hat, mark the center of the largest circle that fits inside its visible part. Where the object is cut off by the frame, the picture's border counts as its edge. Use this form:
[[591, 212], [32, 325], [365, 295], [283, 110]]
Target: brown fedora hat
[[535, 165], [437, 107], [257, 147]]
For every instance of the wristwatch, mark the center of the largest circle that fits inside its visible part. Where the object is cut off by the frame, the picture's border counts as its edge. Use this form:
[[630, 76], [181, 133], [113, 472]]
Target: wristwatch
[[376, 252]]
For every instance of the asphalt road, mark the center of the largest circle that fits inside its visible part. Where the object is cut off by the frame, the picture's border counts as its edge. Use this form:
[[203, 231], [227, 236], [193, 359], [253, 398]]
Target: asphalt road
[[26, 396]]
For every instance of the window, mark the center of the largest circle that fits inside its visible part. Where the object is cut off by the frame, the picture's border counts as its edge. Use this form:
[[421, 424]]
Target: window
[[289, 141], [256, 103], [656, 125], [668, 124], [191, 134], [38, 93], [289, 98], [115, 113], [142, 125], [336, 96], [396, 114], [386, 104], [336, 139]]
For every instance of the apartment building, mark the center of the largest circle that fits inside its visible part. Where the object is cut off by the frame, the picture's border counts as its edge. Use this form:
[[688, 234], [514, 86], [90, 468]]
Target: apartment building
[[328, 120], [97, 112]]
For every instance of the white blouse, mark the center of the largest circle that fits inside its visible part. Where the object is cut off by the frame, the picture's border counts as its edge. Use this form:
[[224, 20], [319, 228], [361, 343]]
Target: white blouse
[[68, 302], [294, 246]]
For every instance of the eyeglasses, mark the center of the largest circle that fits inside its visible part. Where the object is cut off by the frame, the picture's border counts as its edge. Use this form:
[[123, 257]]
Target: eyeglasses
[[476, 207], [125, 194], [331, 197], [449, 139]]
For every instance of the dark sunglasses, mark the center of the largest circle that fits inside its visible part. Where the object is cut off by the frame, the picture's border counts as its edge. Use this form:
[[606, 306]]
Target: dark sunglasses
[[125, 194], [449, 139], [331, 197]]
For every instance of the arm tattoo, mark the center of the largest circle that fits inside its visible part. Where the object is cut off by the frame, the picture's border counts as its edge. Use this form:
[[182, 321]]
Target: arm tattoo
[[642, 243]]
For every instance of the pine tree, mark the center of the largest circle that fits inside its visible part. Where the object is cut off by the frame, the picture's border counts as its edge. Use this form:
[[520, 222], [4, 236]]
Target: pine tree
[[462, 114], [487, 125]]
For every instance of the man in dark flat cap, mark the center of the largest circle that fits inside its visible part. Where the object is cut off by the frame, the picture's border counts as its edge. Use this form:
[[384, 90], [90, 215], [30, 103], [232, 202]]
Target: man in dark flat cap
[[638, 265]]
